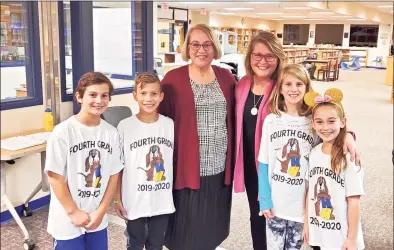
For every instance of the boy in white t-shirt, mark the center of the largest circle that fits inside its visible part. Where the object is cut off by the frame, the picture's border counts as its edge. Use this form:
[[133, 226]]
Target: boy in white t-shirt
[[83, 165], [144, 194]]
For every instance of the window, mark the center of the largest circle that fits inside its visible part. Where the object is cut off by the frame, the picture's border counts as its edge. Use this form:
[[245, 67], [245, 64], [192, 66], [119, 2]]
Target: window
[[20, 55], [329, 34], [296, 34], [117, 42], [65, 50], [364, 35]]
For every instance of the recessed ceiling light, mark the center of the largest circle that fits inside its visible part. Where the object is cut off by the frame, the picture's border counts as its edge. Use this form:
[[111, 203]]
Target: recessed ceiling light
[[225, 13], [355, 19], [340, 16], [297, 8], [264, 2], [294, 16], [270, 13], [238, 8], [277, 19], [314, 19], [322, 13], [385, 6]]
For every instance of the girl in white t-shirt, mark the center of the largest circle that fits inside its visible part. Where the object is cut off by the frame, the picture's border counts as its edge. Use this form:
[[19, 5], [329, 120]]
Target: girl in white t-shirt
[[287, 139], [332, 219], [83, 165]]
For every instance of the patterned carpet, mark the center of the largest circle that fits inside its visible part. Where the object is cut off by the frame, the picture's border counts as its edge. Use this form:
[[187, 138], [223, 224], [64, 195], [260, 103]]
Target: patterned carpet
[[370, 115]]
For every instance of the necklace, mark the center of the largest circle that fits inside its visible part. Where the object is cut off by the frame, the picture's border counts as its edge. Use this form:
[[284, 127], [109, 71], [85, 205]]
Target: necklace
[[253, 111]]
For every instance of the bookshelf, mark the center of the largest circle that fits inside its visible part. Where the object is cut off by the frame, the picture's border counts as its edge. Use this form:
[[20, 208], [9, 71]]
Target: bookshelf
[[243, 36], [296, 55], [12, 34]]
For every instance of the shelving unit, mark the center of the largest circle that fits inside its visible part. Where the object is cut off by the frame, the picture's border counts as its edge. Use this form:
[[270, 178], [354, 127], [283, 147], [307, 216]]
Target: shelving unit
[[296, 55], [12, 34], [243, 36]]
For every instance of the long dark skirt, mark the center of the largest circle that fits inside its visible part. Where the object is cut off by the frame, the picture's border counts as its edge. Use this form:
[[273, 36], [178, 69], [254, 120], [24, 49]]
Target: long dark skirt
[[202, 217]]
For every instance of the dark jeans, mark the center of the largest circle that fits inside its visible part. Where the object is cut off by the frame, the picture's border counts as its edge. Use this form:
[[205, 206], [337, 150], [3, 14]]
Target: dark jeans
[[315, 248], [147, 231], [257, 223]]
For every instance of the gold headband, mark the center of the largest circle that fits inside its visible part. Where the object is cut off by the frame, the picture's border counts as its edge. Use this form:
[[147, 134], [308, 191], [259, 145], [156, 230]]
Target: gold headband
[[333, 95]]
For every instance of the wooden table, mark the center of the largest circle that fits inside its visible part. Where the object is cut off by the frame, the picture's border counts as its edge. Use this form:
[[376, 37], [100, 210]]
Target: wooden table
[[9, 157]]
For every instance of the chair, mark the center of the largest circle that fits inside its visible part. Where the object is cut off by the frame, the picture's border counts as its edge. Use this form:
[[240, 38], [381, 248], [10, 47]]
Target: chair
[[325, 71], [378, 59], [113, 115], [333, 69]]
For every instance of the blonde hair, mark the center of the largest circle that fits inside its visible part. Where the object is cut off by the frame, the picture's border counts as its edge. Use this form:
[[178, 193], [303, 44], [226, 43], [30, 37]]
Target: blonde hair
[[277, 102], [270, 40], [210, 33]]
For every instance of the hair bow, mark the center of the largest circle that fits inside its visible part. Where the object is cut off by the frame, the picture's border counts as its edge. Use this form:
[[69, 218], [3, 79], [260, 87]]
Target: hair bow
[[321, 99]]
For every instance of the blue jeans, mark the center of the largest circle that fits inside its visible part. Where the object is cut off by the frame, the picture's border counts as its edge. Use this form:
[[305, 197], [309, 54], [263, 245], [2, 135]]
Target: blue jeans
[[88, 241]]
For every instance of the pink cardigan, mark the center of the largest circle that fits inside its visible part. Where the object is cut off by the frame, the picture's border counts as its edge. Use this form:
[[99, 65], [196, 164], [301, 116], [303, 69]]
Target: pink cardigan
[[241, 94]]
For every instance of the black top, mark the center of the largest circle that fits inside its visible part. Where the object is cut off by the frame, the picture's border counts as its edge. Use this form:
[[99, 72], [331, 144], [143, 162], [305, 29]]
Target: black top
[[249, 129]]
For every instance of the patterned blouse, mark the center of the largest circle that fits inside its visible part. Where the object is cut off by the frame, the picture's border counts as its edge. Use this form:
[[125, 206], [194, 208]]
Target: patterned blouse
[[211, 111]]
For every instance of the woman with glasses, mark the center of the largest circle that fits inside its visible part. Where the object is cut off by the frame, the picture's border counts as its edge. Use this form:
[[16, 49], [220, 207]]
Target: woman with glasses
[[264, 59], [199, 97]]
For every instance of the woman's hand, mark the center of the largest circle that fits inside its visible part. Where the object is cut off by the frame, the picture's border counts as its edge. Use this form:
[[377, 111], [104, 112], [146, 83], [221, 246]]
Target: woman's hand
[[350, 146], [268, 214]]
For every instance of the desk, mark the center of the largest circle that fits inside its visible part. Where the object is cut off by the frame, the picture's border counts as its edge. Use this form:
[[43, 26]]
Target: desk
[[319, 61], [7, 155]]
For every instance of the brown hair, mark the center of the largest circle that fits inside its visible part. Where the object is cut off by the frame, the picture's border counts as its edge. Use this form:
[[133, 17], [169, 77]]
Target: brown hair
[[92, 78], [270, 40], [211, 35], [146, 78], [338, 158], [277, 102]]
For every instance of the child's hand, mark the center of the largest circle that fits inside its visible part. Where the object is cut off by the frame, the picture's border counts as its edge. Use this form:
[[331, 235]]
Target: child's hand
[[95, 220], [350, 245], [79, 218], [268, 214], [306, 234], [120, 211]]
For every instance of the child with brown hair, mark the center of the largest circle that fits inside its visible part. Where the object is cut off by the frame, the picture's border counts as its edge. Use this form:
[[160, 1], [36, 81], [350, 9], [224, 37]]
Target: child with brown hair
[[144, 194], [83, 164], [332, 219]]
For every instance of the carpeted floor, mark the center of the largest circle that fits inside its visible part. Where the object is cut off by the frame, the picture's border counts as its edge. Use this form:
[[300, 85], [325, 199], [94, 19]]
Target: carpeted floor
[[370, 115]]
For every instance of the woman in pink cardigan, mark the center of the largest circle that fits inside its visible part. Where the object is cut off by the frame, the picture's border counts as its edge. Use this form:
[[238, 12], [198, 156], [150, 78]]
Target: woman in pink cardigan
[[265, 58]]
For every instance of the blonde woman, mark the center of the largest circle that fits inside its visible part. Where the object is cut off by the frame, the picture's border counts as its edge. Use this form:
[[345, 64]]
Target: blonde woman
[[264, 60], [199, 97]]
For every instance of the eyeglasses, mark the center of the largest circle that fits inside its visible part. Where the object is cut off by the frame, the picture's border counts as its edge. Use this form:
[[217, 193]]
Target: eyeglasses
[[196, 46], [268, 57]]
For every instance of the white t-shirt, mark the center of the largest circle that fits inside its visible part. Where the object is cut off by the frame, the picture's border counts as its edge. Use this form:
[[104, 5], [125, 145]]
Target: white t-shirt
[[86, 157], [148, 174], [285, 145], [327, 206]]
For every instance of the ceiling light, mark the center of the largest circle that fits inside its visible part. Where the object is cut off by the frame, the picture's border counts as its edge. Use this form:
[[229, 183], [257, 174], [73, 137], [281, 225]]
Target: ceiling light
[[355, 19], [340, 16], [277, 19], [270, 13], [385, 6], [322, 13], [225, 13], [314, 19], [297, 8], [238, 8], [294, 16], [264, 2]]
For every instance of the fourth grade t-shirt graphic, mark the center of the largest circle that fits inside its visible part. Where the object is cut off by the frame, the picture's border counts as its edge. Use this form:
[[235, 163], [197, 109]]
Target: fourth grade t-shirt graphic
[[154, 168], [92, 169]]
